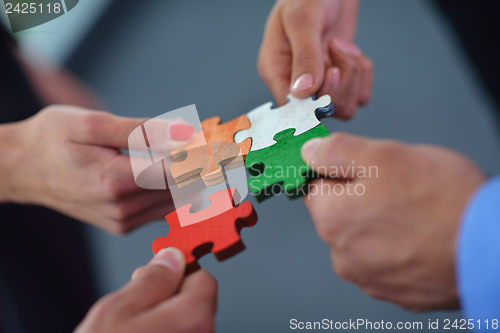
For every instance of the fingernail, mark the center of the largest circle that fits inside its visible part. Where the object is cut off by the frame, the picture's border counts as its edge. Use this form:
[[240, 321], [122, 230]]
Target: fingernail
[[355, 50], [180, 132], [171, 258], [310, 147], [346, 47], [304, 81], [335, 78]]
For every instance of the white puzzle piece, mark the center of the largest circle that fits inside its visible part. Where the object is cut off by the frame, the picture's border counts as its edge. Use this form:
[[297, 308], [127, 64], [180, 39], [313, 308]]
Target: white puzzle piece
[[298, 113]]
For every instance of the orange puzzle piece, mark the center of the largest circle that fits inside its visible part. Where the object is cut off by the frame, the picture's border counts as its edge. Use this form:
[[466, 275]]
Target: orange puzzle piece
[[215, 131], [190, 165], [215, 229], [207, 158]]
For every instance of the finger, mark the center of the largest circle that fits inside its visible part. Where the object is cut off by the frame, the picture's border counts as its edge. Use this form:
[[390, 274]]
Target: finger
[[150, 285], [331, 84], [320, 192], [202, 284], [148, 214], [362, 66], [163, 135], [136, 204], [112, 177], [366, 83], [105, 129], [192, 310], [338, 155], [275, 61], [327, 202], [108, 130], [303, 29], [118, 174], [343, 55], [123, 226]]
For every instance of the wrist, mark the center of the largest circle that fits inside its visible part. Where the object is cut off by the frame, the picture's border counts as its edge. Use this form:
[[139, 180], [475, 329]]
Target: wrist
[[11, 152]]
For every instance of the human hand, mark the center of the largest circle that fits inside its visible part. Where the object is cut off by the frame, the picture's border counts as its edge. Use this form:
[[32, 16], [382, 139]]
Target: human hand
[[157, 299], [308, 48], [391, 232], [68, 159]]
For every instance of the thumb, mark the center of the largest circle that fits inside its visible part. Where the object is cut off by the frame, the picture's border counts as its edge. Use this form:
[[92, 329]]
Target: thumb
[[108, 130], [153, 283], [337, 155], [307, 57]]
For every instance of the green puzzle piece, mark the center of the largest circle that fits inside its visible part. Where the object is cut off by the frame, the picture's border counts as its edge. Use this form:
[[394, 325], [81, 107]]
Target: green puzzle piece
[[280, 168]]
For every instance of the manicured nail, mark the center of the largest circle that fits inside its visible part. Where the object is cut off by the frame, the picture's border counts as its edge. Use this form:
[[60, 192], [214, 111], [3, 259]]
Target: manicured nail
[[310, 147], [355, 50], [303, 82], [171, 258], [346, 47], [180, 132], [335, 78]]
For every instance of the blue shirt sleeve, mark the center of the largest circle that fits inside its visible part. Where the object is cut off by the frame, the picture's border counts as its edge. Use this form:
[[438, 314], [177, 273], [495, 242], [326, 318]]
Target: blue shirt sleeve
[[478, 255]]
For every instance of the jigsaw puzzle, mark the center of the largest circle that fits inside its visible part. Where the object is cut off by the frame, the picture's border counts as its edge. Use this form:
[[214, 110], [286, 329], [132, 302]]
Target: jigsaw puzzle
[[280, 168], [215, 229], [270, 140], [210, 152], [300, 114], [189, 165]]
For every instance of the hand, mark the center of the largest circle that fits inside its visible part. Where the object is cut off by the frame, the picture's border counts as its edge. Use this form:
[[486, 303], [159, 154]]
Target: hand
[[68, 159], [157, 300], [308, 48], [391, 230]]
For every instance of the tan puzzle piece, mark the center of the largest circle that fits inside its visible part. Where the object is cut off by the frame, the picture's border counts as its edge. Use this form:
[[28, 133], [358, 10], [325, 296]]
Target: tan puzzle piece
[[199, 160]]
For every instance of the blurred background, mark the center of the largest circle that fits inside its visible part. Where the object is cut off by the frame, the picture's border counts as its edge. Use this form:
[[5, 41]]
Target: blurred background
[[145, 58]]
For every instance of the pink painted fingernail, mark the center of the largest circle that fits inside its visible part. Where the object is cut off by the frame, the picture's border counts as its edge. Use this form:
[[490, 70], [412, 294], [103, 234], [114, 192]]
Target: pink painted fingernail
[[171, 258], [346, 47], [342, 45], [303, 82], [180, 132], [355, 50], [335, 78]]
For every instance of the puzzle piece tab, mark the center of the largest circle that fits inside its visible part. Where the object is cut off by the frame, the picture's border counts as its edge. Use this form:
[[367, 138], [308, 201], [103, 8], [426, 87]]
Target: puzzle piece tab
[[215, 229], [215, 131], [280, 168], [300, 114], [190, 165], [220, 152]]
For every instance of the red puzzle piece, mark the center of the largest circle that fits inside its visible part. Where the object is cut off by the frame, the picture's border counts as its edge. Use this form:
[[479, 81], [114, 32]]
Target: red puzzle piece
[[215, 229]]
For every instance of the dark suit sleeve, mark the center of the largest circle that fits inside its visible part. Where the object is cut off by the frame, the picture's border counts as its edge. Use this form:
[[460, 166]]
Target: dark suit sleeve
[[45, 277], [477, 28]]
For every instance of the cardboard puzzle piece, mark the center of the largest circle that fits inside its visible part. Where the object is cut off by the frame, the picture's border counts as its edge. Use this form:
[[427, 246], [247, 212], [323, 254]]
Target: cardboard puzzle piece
[[215, 131], [210, 152], [208, 162], [188, 165], [215, 229], [300, 114], [280, 168]]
